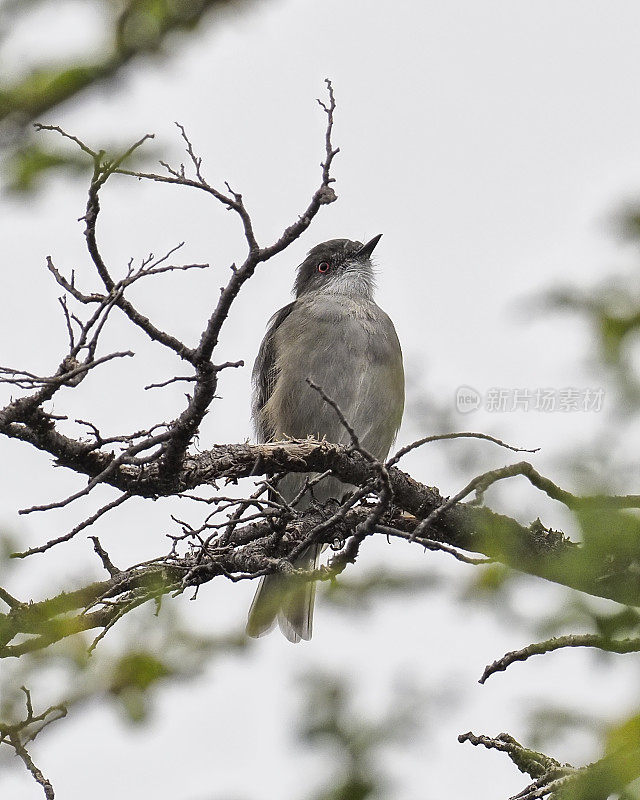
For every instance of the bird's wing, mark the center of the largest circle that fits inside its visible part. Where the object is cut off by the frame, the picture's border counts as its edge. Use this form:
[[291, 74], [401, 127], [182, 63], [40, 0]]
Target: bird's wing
[[265, 374], [277, 597]]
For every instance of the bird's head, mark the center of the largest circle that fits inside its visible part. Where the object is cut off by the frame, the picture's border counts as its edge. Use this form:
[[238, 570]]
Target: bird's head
[[339, 266]]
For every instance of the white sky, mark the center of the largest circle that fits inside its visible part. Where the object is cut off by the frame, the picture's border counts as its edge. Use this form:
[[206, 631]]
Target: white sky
[[489, 142]]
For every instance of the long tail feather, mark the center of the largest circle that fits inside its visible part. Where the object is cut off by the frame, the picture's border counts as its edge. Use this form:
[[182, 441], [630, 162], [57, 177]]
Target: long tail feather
[[287, 600]]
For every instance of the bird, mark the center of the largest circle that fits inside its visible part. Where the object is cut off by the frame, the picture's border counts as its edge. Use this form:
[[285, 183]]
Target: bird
[[334, 335]]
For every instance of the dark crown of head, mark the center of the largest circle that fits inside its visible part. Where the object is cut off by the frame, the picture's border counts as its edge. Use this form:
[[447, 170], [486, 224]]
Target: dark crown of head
[[335, 252], [336, 249]]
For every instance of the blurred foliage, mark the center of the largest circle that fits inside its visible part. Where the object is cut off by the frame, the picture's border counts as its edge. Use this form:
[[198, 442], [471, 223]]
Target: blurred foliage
[[612, 309], [130, 668], [31, 164], [487, 583], [144, 656], [358, 593], [581, 612], [131, 29], [353, 741], [615, 774], [605, 463], [8, 545], [548, 725]]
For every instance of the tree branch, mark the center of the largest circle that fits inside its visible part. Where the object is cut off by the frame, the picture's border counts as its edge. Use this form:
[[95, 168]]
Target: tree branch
[[559, 642], [555, 781]]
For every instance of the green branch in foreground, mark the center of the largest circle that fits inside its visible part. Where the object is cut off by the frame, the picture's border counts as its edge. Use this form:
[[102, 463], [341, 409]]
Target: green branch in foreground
[[555, 781], [604, 643]]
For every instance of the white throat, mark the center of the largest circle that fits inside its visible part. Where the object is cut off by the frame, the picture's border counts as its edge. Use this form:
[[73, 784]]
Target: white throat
[[352, 280]]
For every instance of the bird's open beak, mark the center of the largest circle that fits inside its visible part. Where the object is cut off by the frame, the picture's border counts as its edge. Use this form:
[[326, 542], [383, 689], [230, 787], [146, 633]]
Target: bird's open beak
[[366, 250]]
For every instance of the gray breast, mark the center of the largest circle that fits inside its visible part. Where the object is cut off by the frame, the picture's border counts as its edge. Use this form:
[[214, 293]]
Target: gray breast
[[349, 347]]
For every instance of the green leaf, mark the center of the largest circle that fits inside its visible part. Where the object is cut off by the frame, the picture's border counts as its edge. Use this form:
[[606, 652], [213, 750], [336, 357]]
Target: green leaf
[[138, 670]]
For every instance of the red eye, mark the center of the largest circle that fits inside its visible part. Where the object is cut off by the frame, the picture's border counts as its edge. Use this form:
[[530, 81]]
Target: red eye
[[323, 266]]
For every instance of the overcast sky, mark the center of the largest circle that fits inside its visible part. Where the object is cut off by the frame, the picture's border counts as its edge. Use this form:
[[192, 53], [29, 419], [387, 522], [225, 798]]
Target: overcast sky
[[490, 142]]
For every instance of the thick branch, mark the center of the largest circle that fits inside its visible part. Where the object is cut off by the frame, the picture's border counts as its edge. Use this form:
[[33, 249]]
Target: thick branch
[[534, 549], [269, 544]]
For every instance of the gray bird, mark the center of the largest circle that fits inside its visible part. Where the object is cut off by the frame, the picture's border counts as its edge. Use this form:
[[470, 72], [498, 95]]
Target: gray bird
[[334, 334]]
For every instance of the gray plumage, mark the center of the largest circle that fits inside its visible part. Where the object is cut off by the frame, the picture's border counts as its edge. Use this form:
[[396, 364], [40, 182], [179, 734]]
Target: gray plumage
[[336, 335]]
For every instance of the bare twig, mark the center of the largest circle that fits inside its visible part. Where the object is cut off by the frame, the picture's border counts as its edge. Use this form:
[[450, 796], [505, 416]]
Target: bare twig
[[27, 380], [40, 127], [175, 379], [112, 466], [431, 544], [104, 557], [84, 524], [604, 643], [355, 442], [185, 427], [17, 735], [481, 483], [457, 435]]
